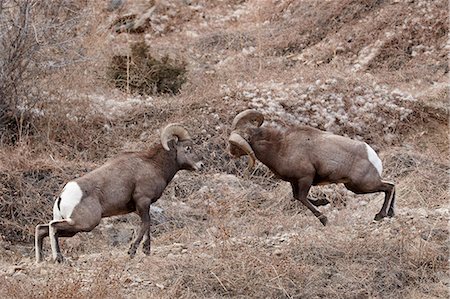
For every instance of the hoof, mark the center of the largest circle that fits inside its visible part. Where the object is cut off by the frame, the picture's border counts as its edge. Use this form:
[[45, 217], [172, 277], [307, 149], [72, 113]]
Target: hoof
[[391, 213], [323, 202], [146, 250], [323, 219], [320, 202], [379, 216], [59, 258], [132, 252]]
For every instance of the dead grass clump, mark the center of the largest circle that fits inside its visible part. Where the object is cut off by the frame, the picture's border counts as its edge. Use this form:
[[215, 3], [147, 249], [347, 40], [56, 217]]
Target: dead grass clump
[[234, 271], [416, 37], [74, 131], [365, 262], [28, 187], [421, 175], [64, 282], [400, 163], [143, 74], [220, 41], [93, 129], [312, 21]]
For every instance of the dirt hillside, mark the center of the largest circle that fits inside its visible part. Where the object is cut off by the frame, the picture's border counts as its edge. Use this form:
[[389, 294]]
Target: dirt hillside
[[90, 80]]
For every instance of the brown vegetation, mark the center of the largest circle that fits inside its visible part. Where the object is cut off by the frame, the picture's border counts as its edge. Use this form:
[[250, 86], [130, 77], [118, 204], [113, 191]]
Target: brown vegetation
[[371, 70], [141, 73]]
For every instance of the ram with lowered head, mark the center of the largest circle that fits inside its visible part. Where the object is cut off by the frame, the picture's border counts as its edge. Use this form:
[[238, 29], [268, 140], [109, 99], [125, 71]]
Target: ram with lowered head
[[306, 156], [131, 182]]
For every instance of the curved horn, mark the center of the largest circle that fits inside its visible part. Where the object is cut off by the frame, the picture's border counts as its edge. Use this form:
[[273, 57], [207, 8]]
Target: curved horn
[[171, 131], [246, 116], [237, 140]]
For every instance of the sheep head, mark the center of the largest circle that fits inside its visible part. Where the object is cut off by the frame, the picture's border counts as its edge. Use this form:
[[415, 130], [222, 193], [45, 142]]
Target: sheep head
[[187, 158], [239, 146]]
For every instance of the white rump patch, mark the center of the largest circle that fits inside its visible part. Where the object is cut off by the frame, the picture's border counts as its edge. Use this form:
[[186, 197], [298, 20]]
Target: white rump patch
[[69, 198], [374, 159], [56, 212]]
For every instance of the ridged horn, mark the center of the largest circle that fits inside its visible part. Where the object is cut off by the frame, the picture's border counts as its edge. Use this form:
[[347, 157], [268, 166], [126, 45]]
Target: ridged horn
[[246, 116], [170, 132], [237, 140]]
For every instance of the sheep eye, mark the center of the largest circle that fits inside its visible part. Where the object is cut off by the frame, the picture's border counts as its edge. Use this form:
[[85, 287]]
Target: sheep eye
[[187, 148]]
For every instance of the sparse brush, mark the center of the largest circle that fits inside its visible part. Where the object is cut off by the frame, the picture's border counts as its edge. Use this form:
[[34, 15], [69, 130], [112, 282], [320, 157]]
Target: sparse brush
[[27, 191], [35, 42], [342, 107], [222, 41], [141, 73], [226, 232]]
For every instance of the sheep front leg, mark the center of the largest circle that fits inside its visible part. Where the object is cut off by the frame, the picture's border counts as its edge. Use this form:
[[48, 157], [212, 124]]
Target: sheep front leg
[[146, 247], [143, 210], [137, 241], [300, 190]]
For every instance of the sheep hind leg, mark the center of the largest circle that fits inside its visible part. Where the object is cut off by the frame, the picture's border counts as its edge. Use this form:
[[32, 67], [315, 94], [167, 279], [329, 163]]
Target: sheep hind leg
[[55, 229], [300, 191], [388, 190], [386, 187], [42, 231]]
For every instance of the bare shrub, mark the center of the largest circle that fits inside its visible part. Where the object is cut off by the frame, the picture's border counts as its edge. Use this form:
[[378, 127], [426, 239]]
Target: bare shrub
[[141, 73], [37, 38]]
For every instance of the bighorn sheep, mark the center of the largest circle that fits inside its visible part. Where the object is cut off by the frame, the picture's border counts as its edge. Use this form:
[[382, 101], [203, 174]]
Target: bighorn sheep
[[131, 182], [306, 156]]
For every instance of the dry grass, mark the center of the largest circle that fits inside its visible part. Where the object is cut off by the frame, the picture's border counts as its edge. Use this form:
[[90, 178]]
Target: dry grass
[[374, 70], [140, 73]]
